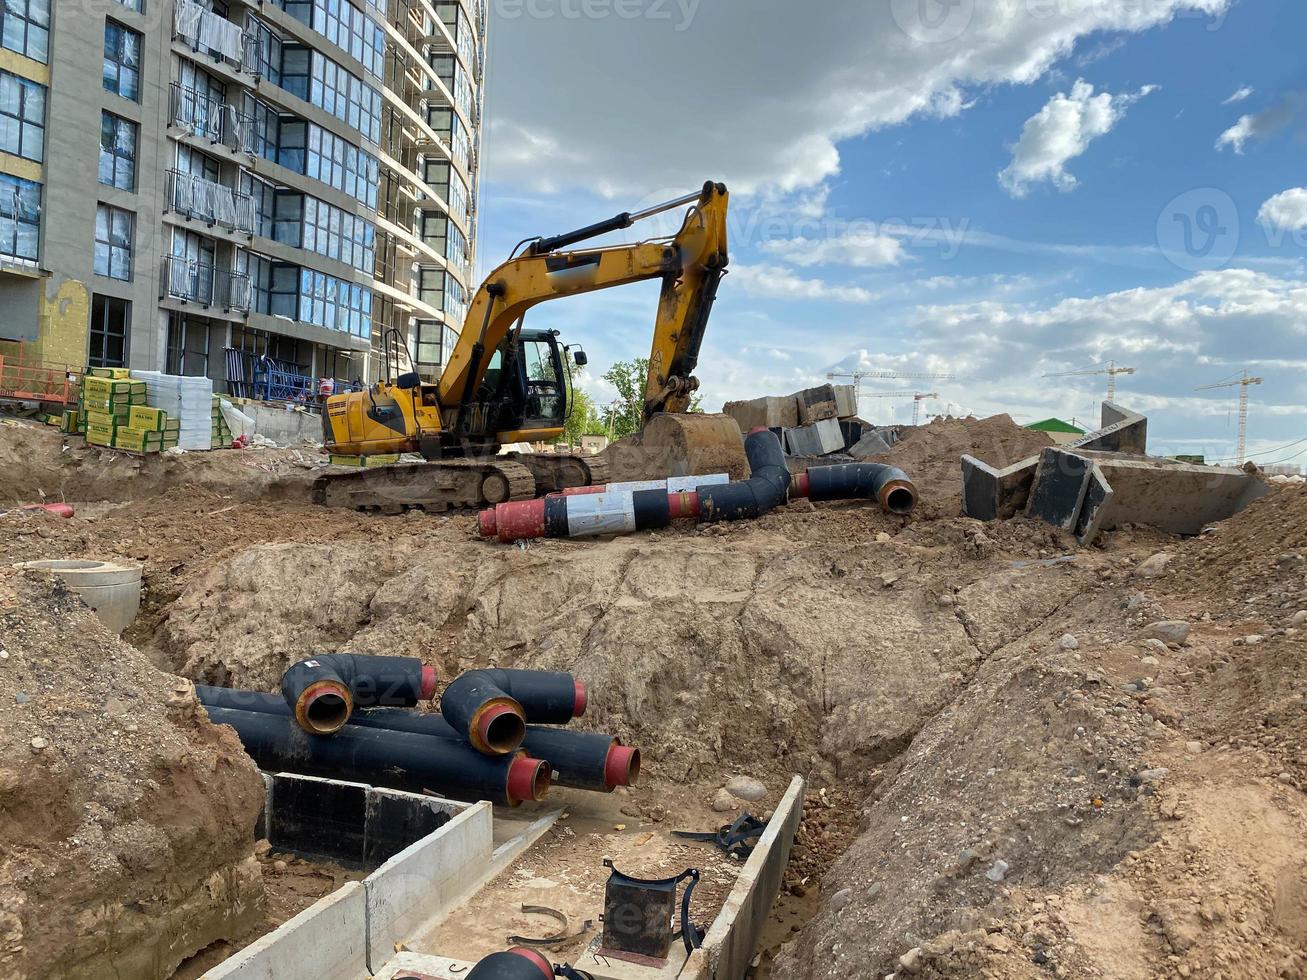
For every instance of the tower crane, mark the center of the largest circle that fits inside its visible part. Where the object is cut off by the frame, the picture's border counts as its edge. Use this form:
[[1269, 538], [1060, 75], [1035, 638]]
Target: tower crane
[[1111, 370], [857, 377], [1242, 384], [916, 396]]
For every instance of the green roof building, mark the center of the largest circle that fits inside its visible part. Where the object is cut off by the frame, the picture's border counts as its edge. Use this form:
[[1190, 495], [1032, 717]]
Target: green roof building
[[1060, 432]]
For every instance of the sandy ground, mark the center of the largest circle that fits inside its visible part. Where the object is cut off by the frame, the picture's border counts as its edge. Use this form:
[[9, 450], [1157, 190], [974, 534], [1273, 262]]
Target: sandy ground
[[987, 797]]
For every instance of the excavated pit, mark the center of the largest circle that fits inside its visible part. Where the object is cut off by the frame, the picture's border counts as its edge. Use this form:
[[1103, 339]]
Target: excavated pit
[[965, 764]]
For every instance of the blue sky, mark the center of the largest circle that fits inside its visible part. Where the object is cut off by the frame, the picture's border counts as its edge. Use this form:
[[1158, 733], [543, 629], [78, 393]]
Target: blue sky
[[996, 190]]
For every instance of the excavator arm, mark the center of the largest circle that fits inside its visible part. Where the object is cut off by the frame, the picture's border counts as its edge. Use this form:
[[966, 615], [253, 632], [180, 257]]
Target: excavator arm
[[691, 266]]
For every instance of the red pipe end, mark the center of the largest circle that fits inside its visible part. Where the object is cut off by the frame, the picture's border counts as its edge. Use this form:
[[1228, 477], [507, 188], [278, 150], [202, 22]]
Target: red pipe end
[[800, 486], [58, 510], [622, 767], [683, 505], [499, 728], [324, 707], [583, 491], [580, 699], [528, 779], [521, 520], [486, 523], [898, 497], [428, 684], [530, 954]]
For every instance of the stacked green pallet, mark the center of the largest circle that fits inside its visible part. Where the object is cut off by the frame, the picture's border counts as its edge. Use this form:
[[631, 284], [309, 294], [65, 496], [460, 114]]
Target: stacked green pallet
[[221, 434]]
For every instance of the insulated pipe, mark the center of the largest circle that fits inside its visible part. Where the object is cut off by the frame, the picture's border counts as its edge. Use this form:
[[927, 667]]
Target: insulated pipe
[[325, 690], [888, 485], [622, 513], [675, 484], [516, 964], [379, 757], [518, 516], [580, 760], [490, 708]]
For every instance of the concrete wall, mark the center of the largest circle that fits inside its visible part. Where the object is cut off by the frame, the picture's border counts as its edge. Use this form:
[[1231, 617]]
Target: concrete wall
[[284, 428]]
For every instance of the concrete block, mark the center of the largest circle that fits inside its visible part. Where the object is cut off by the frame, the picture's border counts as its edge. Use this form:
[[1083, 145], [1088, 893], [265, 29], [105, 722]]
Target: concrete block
[[316, 817], [395, 820], [871, 444], [846, 401], [990, 494], [1098, 500], [817, 439], [328, 939], [768, 413], [1061, 481], [423, 883], [816, 404], [854, 429], [1122, 431], [1182, 498]]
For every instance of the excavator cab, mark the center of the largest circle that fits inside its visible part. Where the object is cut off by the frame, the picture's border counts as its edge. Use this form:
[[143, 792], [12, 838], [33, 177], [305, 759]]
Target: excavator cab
[[523, 390]]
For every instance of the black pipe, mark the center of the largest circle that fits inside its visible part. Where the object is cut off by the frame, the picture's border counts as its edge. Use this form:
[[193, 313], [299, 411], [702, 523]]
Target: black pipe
[[516, 964], [887, 484], [765, 489], [397, 760], [580, 760], [490, 708], [324, 690]]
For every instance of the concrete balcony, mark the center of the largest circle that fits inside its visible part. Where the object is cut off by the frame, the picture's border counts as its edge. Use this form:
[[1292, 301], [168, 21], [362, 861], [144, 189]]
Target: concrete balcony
[[191, 281], [217, 204]]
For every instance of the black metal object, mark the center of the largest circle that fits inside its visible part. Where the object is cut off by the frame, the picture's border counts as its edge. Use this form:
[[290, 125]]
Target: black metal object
[[563, 936], [638, 915], [738, 839], [323, 690], [751, 498], [399, 760]]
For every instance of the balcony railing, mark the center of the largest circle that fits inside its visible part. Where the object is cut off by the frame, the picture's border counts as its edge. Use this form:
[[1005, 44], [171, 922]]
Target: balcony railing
[[204, 30], [192, 281], [215, 203], [203, 115]]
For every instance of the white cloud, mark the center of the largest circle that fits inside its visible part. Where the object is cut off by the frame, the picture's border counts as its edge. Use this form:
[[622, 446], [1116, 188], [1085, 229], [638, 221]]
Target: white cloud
[[1259, 125], [1060, 132], [1287, 211], [858, 249], [775, 282], [1239, 95], [766, 113]]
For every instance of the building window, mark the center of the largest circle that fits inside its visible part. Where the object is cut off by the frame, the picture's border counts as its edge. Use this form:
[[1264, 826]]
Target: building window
[[264, 196], [343, 94], [431, 287], [22, 117], [342, 165], [122, 61], [117, 151], [113, 242], [429, 333], [137, 5], [345, 26], [109, 319], [20, 219], [269, 51], [295, 70], [25, 27]]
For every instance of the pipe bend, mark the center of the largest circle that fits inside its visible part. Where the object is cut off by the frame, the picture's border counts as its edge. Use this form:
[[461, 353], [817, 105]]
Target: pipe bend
[[323, 691], [892, 488], [766, 489], [491, 707]]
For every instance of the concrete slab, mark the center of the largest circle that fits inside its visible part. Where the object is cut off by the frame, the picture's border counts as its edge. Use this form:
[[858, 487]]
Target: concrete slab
[[426, 881], [816, 404], [816, 439], [872, 443], [327, 940], [990, 494], [1098, 498], [770, 413], [1121, 431], [732, 939], [1061, 481], [846, 401], [1182, 498]]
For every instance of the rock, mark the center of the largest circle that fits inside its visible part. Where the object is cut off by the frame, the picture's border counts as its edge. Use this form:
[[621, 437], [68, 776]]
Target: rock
[[998, 872], [910, 962], [1155, 644], [1193, 747], [840, 899], [1154, 566], [39, 744], [723, 802], [278, 865], [746, 788], [1146, 776], [1150, 661], [1286, 778], [873, 891], [262, 847], [887, 579], [1299, 618], [1068, 642], [1249, 641], [22, 698], [882, 537], [1168, 631]]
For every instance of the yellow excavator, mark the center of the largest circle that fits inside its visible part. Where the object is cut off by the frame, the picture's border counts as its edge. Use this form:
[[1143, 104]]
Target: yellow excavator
[[504, 384]]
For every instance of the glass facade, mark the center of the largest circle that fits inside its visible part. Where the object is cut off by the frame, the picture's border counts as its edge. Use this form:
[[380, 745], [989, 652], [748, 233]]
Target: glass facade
[[20, 219], [118, 138], [342, 165], [22, 117], [345, 26], [306, 222], [309, 296], [113, 242]]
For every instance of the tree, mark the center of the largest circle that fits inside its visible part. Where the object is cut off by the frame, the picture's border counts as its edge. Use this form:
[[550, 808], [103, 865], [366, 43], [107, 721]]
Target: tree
[[626, 414], [583, 417]]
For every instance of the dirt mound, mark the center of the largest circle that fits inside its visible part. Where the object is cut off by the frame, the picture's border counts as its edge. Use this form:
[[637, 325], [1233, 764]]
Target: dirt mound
[[38, 465], [931, 455], [679, 445], [127, 818]]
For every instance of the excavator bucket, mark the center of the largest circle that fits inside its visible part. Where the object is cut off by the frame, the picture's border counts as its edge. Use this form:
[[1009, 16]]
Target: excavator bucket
[[680, 445]]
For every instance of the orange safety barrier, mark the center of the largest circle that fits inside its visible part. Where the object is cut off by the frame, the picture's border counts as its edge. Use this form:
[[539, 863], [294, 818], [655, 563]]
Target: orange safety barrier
[[26, 382]]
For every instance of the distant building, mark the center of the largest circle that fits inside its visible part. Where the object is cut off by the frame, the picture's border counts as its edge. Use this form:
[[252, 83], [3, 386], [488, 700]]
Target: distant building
[[243, 189], [1060, 432]]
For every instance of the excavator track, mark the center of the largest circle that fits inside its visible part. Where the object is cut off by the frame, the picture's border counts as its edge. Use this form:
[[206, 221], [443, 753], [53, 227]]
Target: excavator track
[[447, 485]]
